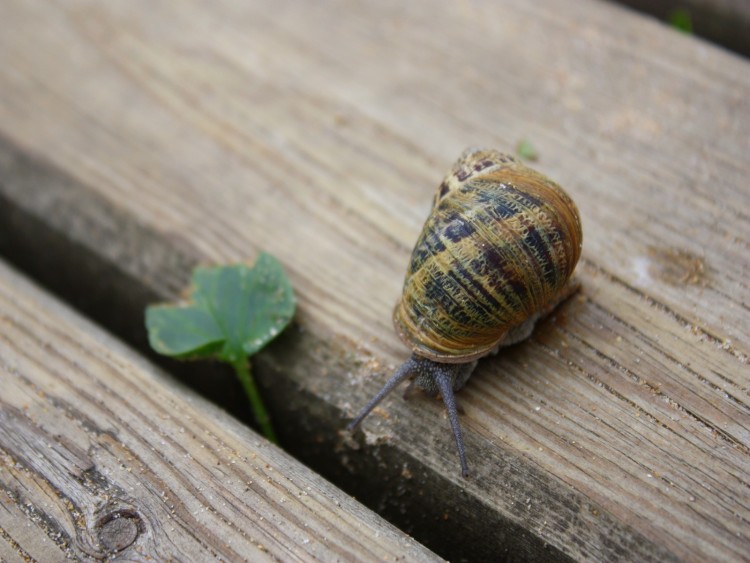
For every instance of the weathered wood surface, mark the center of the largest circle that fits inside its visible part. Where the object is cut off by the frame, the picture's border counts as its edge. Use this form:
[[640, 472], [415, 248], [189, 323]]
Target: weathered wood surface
[[318, 132], [101, 454]]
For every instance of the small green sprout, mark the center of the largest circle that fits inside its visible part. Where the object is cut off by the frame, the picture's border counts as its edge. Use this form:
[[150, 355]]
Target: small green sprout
[[526, 150], [681, 21], [232, 312]]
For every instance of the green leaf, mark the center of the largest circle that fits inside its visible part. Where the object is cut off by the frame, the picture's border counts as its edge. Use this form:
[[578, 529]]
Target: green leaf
[[233, 311], [183, 331]]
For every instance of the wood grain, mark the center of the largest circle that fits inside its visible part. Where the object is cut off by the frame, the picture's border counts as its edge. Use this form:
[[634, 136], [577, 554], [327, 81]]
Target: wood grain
[[101, 454], [318, 132]]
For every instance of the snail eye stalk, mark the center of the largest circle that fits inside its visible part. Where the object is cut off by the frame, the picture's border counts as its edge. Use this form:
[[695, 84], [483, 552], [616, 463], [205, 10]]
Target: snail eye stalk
[[407, 368]]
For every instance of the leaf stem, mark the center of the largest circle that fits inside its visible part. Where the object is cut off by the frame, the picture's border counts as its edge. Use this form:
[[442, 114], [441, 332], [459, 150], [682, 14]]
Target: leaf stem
[[242, 367]]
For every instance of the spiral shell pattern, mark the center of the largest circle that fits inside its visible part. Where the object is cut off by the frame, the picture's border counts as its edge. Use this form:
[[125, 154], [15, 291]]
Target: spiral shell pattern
[[500, 244]]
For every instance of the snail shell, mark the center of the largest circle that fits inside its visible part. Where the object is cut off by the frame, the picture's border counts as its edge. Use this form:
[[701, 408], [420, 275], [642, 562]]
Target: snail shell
[[496, 253], [500, 244]]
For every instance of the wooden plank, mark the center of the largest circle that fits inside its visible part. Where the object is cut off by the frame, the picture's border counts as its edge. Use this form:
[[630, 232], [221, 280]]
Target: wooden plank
[[102, 454], [318, 133]]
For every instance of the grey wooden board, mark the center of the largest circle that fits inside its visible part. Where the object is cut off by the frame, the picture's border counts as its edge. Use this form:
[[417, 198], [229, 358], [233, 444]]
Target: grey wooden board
[[319, 132], [102, 454]]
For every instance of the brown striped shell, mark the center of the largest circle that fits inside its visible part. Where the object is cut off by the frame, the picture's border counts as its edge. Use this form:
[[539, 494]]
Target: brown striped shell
[[499, 247]]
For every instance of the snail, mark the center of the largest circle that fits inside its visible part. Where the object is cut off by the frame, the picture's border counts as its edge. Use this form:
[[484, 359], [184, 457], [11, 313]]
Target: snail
[[495, 255]]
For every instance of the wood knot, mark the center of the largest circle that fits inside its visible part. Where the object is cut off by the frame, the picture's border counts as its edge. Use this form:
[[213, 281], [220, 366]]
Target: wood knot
[[677, 267], [118, 530]]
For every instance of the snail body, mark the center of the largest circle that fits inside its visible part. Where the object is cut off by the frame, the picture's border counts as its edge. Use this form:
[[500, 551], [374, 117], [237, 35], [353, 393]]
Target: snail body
[[496, 254]]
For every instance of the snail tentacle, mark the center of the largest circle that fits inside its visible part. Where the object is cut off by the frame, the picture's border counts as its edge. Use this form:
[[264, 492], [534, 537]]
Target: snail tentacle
[[406, 369], [443, 375], [433, 378]]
